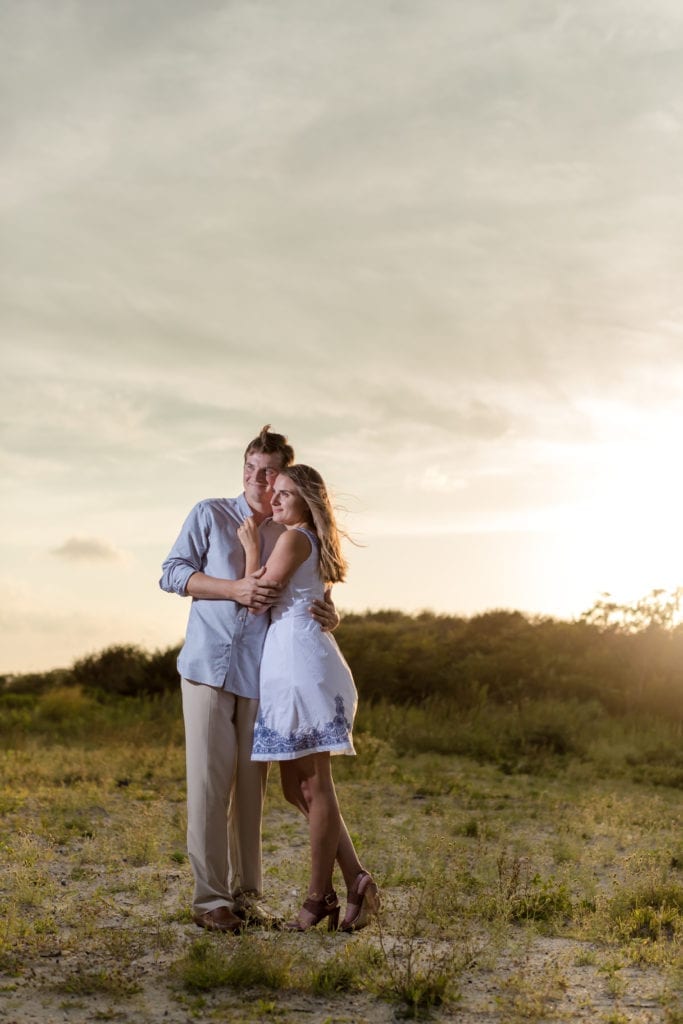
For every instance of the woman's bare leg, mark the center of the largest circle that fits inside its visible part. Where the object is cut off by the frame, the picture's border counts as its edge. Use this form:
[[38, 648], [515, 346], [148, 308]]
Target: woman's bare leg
[[302, 788], [347, 858], [307, 783]]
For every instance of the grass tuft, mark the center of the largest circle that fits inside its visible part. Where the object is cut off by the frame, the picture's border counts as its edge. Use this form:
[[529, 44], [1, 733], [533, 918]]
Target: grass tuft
[[102, 981], [348, 970], [418, 969], [246, 963], [522, 896]]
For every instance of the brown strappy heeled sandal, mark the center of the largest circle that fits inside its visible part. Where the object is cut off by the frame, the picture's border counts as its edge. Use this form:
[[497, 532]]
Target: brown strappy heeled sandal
[[327, 907], [362, 903]]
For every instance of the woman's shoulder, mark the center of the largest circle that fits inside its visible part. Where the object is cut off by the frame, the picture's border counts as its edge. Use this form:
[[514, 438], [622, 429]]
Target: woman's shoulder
[[297, 541]]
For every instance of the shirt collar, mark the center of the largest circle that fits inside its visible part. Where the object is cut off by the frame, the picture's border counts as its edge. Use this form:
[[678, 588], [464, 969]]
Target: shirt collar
[[246, 509], [243, 505]]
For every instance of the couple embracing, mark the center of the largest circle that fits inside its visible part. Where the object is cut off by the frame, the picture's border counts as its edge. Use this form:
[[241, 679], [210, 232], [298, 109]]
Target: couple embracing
[[263, 680]]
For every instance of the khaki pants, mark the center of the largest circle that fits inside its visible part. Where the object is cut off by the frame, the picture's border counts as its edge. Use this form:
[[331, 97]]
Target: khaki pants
[[225, 792]]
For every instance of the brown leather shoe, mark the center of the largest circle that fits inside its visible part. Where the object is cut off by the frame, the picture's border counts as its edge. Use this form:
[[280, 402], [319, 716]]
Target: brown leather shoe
[[221, 919], [253, 911]]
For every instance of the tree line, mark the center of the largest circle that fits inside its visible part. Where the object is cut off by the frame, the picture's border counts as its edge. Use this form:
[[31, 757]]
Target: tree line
[[627, 657]]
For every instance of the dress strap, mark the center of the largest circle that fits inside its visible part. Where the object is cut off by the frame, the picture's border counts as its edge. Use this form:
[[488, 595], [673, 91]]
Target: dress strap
[[312, 536]]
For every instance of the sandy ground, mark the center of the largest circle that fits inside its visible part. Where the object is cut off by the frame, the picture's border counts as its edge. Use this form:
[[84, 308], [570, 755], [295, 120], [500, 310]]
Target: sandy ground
[[100, 910], [586, 997], [533, 979]]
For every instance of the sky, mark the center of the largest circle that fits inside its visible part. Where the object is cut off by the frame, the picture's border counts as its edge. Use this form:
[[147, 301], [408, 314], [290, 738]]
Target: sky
[[439, 244]]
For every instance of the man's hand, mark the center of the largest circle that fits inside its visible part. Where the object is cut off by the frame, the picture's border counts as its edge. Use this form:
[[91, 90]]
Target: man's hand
[[251, 590], [325, 613], [255, 594]]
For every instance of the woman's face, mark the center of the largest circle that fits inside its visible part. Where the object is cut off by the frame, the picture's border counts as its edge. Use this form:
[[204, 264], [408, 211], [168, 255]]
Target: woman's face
[[289, 508]]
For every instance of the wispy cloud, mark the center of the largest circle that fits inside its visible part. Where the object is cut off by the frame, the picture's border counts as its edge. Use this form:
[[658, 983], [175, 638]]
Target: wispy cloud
[[87, 549]]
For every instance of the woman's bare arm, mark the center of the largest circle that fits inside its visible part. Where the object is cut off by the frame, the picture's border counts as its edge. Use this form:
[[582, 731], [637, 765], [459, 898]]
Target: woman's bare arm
[[291, 550]]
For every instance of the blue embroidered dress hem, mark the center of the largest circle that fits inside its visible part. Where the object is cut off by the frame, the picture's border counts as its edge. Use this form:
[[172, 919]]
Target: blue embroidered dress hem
[[334, 736]]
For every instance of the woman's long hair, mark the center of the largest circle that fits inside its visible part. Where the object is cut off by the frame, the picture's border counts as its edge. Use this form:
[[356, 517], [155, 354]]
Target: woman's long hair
[[311, 487]]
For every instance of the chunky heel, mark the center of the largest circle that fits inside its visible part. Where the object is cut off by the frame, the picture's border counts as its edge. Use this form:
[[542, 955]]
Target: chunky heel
[[333, 920], [362, 903]]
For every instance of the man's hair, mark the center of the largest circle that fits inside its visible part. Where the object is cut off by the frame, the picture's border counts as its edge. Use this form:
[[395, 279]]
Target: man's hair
[[268, 443]]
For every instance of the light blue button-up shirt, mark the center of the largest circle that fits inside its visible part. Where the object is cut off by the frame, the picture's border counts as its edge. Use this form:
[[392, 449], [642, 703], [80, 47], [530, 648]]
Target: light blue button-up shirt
[[223, 642]]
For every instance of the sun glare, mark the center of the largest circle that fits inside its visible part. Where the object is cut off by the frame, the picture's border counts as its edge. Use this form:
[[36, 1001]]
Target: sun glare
[[632, 524]]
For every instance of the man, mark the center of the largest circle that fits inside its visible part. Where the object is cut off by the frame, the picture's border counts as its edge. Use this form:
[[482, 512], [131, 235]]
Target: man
[[219, 669]]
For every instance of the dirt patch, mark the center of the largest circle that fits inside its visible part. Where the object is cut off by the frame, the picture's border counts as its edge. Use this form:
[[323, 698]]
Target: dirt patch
[[531, 978], [95, 897]]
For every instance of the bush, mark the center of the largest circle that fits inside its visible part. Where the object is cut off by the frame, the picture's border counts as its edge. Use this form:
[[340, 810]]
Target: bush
[[506, 657], [127, 671], [499, 658]]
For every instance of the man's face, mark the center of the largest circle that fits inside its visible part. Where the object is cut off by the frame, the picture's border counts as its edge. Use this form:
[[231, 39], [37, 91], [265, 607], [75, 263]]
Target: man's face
[[260, 472]]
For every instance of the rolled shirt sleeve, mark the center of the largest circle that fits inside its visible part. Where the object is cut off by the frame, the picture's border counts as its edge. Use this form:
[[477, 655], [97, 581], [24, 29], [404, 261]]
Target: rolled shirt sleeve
[[188, 554]]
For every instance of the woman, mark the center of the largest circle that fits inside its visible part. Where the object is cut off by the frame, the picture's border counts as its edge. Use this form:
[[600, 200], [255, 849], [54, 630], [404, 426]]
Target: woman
[[308, 698]]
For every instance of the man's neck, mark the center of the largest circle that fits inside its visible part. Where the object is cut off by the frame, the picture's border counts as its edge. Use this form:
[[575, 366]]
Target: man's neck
[[260, 514]]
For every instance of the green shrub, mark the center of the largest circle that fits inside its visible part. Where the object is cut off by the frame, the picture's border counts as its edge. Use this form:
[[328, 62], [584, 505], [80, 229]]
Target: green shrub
[[65, 704], [126, 670], [655, 893], [502, 686], [504, 656], [652, 923]]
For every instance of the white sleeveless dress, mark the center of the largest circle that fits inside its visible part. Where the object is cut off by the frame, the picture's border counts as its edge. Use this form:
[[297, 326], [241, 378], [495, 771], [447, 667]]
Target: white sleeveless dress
[[308, 698]]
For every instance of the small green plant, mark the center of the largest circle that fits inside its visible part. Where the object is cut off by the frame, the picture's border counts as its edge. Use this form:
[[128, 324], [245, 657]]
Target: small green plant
[[652, 923], [564, 851], [522, 896], [525, 999], [651, 909], [422, 991], [421, 975], [347, 971], [102, 981], [334, 976], [203, 968], [614, 981], [586, 958], [246, 963], [266, 1008]]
